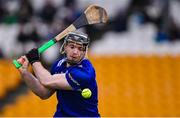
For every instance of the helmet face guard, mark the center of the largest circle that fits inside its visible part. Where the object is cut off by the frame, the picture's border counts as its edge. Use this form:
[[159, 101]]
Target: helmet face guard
[[78, 38]]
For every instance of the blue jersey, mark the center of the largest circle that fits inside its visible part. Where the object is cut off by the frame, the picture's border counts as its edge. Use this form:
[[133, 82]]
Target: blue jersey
[[71, 102]]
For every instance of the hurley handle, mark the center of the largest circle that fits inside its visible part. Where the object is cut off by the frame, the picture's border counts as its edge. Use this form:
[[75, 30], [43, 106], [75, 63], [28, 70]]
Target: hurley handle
[[40, 50]]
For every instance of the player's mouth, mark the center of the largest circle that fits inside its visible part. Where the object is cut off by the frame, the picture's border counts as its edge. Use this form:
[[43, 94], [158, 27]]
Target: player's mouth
[[74, 57]]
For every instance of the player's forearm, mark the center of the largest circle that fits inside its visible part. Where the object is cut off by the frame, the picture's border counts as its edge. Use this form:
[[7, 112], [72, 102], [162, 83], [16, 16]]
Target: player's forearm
[[41, 73], [36, 87]]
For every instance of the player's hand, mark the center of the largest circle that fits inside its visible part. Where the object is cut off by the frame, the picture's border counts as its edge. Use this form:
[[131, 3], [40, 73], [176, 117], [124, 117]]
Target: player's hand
[[33, 56], [24, 61]]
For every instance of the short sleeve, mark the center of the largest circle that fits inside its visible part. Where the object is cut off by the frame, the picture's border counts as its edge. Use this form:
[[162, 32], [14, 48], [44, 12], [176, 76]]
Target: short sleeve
[[79, 76]]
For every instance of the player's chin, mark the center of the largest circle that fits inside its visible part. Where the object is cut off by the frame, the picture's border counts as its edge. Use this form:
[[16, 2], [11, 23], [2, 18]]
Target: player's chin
[[73, 61]]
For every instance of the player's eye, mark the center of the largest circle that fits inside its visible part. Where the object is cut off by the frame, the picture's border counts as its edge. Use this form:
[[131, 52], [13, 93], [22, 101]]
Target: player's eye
[[81, 49], [72, 46]]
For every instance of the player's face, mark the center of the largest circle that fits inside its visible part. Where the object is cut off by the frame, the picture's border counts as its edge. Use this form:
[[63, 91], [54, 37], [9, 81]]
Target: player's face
[[74, 52]]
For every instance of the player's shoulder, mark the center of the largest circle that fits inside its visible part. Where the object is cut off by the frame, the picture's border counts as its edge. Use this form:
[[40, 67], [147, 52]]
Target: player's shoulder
[[86, 64], [59, 62]]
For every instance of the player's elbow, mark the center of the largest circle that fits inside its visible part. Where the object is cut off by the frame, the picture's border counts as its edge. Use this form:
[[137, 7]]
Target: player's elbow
[[43, 96]]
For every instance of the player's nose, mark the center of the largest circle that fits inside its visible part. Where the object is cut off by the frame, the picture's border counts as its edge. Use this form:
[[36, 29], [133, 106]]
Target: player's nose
[[75, 51]]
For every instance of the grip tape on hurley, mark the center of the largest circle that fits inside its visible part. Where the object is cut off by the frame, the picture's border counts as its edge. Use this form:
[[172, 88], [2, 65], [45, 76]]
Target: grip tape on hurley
[[40, 50]]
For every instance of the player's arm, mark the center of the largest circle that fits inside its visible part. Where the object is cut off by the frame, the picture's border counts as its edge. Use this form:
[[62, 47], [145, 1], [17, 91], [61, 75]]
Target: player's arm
[[56, 81], [71, 80], [32, 82]]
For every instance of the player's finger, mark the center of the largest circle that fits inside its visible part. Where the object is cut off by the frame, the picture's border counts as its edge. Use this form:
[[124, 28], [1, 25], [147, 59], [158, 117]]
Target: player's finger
[[25, 58], [21, 60]]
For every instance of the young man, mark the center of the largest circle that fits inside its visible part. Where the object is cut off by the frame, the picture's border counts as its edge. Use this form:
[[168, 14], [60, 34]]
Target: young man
[[68, 77]]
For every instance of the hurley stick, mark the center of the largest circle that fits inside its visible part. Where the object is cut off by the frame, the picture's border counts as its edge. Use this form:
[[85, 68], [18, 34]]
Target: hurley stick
[[92, 15]]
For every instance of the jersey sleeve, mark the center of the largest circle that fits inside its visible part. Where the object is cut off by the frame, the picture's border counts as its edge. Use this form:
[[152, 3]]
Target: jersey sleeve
[[52, 69], [79, 76]]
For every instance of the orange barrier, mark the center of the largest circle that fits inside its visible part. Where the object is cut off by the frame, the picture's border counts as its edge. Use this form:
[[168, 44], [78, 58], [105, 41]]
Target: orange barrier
[[9, 77], [128, 86], [138, 85], [30, 105]]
